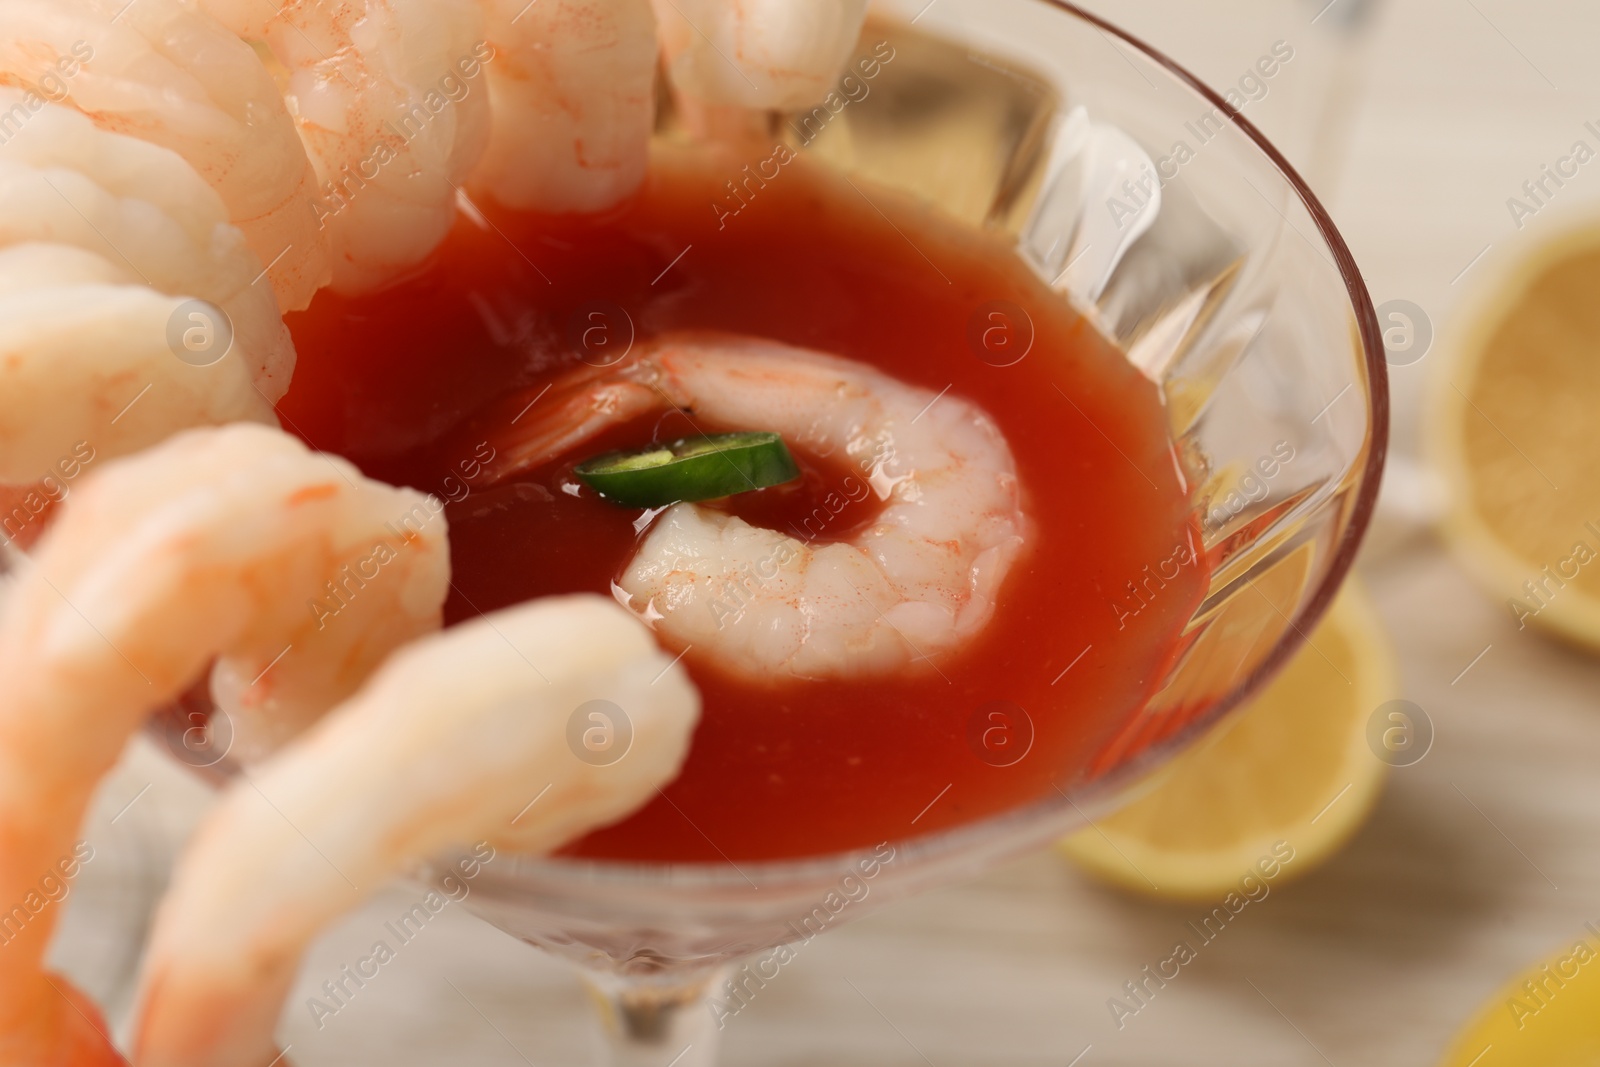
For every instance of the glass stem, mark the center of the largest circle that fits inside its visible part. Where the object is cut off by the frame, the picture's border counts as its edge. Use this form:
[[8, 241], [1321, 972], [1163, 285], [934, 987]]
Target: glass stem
[[656, 1021]]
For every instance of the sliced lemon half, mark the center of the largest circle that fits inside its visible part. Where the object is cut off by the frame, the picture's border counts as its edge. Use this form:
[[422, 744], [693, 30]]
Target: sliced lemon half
[[1547, 1016], [1276, 789], [1511, 417]]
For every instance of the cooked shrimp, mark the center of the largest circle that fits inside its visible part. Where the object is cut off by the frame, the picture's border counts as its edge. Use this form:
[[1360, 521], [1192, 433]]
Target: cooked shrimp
[[572, 87], [212, 544], [50, 1023], [164, 73], [760, 54], [391, 110], [37, 265], [64, 181], [21, 509], [294, 570], [89, 345], [921, 581], [460, 737]]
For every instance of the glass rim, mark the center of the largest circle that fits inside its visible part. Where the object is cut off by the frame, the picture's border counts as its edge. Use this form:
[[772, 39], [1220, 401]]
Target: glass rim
[[952, 842]]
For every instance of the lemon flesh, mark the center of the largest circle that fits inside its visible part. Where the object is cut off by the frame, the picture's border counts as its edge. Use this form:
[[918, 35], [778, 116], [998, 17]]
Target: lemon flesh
[[1292, 771], [1511, 428], [1548, 1016]]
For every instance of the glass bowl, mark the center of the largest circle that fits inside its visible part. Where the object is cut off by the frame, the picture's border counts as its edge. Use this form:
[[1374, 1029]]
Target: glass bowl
[[1166, 218]]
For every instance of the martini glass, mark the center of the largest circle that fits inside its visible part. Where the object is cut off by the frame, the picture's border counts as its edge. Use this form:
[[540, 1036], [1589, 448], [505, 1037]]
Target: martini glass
[[1171, 223]]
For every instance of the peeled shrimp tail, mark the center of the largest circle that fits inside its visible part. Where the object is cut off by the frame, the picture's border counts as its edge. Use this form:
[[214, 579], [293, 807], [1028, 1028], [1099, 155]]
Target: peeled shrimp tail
[[572, 86], [164, 73], [578, 407], [207, 546], [448, 743]]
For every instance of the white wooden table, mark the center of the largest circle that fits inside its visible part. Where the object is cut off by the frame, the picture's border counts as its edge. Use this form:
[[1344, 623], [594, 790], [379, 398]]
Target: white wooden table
[[1478, 860]]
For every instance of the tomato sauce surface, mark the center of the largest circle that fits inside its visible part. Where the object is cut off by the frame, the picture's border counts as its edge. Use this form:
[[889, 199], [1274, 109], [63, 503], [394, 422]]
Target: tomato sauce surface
[[789, 767]]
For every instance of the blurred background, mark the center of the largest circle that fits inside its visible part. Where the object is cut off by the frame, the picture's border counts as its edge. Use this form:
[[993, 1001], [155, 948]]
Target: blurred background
[[1414, 120]]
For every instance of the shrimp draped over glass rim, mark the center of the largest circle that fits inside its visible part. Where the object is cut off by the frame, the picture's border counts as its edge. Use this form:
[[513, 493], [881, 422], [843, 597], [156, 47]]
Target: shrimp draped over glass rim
[[382, 94], [102, 237], [407, 779], [917, 583], [245, 155], [210, 546], [758, 54], [164, 73], [203, 548]]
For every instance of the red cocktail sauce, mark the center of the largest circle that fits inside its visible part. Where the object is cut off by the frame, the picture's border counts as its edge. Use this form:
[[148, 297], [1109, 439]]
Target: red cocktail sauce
[[790, 767]]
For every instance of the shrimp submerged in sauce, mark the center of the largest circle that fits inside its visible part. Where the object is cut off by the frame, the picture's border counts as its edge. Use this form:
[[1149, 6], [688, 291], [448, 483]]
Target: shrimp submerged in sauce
[[918, 582]]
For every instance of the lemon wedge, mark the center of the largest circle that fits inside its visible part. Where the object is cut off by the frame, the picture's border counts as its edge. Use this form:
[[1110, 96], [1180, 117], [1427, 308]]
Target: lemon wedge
[[1510, 428], [1276, 789], [1544, 1017]]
